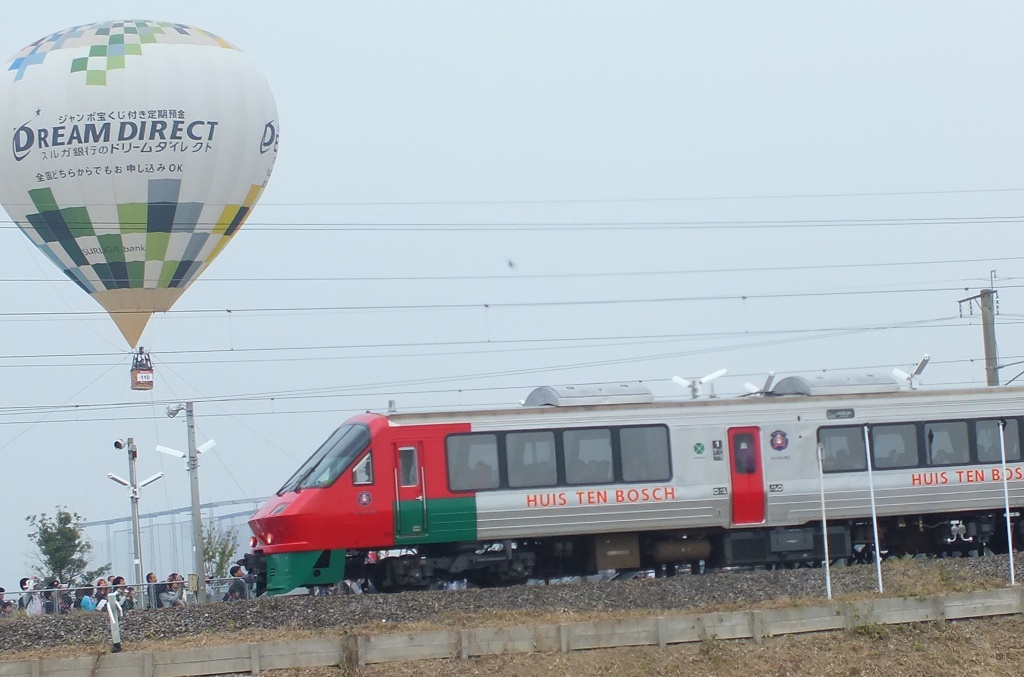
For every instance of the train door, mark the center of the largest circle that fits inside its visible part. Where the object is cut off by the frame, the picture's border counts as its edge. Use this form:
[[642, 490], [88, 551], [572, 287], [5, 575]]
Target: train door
[[411, 504], [747, 475]]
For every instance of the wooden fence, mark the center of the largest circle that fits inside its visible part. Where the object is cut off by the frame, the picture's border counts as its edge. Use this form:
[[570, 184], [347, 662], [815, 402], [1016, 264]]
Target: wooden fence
[[661, 631]]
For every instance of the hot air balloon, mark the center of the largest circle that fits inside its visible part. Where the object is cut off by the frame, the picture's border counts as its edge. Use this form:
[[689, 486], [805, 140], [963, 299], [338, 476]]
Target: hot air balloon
[[138, 149]]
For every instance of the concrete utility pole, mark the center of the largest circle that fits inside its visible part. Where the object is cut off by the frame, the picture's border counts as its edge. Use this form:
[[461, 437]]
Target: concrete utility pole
[[198, 551], [192, 465], [988, 329], [986, 300]]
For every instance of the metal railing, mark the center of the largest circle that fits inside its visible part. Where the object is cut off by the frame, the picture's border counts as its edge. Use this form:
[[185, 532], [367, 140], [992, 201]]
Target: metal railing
[[41, 599]]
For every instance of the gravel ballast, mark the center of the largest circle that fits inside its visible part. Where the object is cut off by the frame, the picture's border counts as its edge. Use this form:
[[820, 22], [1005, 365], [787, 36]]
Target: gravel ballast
[[721, 590]]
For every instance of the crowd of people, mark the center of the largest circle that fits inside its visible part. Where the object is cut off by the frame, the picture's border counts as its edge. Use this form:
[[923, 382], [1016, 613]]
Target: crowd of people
[[36, 598]]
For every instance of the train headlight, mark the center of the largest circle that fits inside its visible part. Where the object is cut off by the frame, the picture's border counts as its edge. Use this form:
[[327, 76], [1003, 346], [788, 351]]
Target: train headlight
[[253, 541], [270, 538]]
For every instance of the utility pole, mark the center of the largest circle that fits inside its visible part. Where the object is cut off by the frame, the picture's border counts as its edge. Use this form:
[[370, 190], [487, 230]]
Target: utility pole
[[986, 300], [198, 554], [192, 465], [988, 330]]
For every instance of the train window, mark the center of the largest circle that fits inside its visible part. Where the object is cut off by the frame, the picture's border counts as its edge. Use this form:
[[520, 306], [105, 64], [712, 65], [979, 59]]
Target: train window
[[946, 443], [472, 462], [645, 454], [408, 467], [531, 459], [987, 435], [362, 473], [588, 456], [331, 459], [842, 449], [744, 454], [894, 446]]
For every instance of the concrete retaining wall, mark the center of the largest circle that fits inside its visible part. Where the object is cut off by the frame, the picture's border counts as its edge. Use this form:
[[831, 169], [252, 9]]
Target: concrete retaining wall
[[660, 631]]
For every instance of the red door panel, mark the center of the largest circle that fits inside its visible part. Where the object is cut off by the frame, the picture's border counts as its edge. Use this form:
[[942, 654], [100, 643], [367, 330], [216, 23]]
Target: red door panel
[[411, 507], [747, 476]]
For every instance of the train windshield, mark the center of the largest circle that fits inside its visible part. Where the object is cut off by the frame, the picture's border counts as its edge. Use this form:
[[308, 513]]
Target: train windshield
[[331, 459]]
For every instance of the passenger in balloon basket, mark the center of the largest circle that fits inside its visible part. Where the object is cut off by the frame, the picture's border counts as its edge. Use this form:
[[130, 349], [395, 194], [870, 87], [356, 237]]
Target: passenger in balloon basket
[[142, 360]]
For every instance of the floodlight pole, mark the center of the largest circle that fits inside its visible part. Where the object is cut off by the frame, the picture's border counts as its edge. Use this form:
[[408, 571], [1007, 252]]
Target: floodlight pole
[[133, 483], [133, 453]]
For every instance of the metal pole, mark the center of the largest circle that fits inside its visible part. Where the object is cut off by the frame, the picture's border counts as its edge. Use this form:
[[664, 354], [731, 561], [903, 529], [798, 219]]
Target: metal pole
[[824, 524], [136, 531], [198, 555], [874, 513], [1006, 498], [988, 332]]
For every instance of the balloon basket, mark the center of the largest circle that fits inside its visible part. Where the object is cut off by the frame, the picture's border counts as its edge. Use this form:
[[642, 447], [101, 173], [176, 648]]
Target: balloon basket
[[142, 379]]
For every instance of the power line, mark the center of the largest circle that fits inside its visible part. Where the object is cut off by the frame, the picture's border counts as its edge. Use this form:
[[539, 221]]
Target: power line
[[334, 410], [294, 310], [455, 347], [104, 227], [516, 277], [570, 341], [626, 200], [366, 389]]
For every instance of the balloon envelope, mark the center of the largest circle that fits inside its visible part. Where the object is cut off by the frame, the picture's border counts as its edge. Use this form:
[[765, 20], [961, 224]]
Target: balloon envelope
[[138, 149]]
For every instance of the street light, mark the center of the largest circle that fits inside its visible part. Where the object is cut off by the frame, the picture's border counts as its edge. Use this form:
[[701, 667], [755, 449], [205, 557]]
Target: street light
[[133, 484], [192, 465]]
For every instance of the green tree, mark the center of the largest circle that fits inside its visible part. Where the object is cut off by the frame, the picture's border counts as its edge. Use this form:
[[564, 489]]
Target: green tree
[[220, 549], [62, 550]]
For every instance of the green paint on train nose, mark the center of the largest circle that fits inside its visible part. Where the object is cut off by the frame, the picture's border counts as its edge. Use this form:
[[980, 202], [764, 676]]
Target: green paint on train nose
[[290, 570]]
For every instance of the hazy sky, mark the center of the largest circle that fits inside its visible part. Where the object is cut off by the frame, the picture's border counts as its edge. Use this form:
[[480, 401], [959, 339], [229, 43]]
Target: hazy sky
[[472, 199]]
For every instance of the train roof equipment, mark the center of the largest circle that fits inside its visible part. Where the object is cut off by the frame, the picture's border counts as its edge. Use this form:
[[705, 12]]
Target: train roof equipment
[[593, 394], [828, 384]]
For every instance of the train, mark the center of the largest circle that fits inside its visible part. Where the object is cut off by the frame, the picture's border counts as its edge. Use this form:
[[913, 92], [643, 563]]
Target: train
[[576, 480]]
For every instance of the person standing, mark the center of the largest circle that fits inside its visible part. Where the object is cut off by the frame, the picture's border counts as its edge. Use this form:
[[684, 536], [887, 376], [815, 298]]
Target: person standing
[[6, 607], [172, 595], [239, 588], [153, 590], [30, 601]]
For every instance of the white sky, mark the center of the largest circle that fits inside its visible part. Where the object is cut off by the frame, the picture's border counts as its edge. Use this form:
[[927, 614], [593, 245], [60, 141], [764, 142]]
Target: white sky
[[679, 187]]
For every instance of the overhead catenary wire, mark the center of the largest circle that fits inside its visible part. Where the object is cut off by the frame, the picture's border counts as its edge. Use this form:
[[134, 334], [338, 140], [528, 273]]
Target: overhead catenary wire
[[341, 413], [569, 276], [291, 310], [635, 200], [496, 345], [332, 227], [367, 390]]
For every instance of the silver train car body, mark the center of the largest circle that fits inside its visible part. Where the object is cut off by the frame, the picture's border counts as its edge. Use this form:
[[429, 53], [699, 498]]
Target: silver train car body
[[740, 482]]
